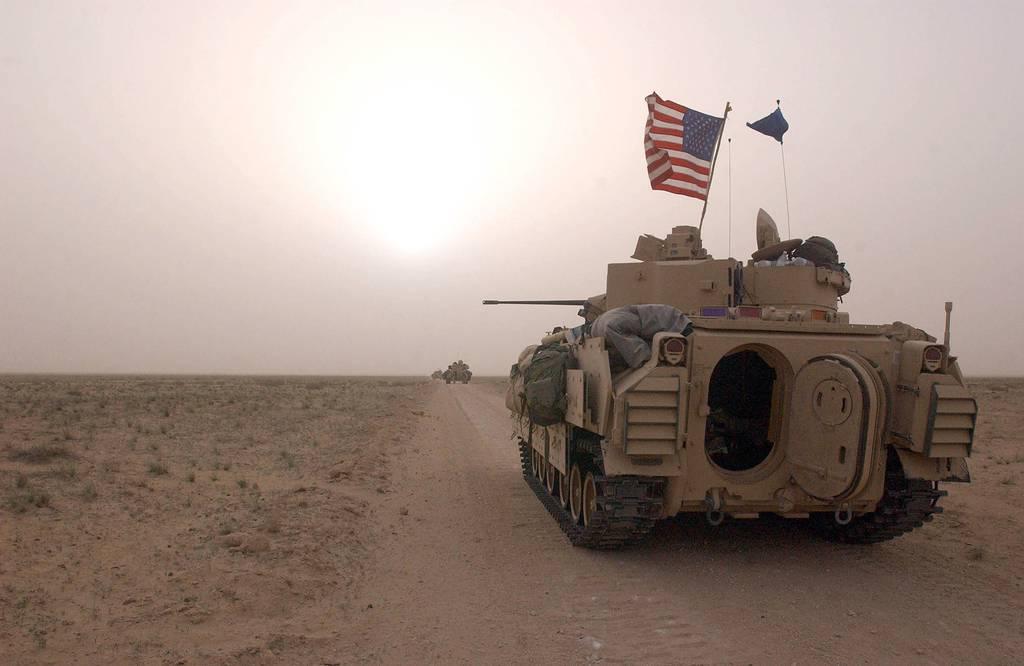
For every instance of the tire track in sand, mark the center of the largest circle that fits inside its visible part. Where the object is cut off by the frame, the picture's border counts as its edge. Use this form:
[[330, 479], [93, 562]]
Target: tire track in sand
[[608, 611]]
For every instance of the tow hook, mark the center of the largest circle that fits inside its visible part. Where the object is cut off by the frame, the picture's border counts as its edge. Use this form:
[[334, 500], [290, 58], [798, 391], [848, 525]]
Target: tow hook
[[844, 515], [714, 514]]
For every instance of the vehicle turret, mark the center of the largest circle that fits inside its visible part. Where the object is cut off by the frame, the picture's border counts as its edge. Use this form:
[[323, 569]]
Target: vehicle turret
[[779, 284]]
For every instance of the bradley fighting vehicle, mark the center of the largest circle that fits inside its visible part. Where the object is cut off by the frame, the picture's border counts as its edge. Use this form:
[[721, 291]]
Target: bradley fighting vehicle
[[457, 372], [768, 400]]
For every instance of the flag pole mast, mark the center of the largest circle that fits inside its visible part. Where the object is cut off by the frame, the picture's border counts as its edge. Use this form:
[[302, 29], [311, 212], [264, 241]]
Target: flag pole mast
[[785, 181], [714, 159], [730, 196]]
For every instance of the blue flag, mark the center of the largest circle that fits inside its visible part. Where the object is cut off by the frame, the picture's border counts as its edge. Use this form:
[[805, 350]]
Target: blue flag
[[773, 125]]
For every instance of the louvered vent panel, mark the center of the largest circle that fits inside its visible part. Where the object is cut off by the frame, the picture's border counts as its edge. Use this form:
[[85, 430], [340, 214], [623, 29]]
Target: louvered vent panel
[[652, 417], [951, 421]]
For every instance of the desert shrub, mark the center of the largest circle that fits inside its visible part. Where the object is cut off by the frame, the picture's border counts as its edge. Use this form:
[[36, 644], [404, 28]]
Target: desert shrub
[[22, 501], [67, 472], [40, 453]]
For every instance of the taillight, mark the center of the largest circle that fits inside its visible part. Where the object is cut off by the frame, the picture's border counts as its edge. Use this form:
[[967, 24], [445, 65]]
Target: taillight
[[932, 359], [673, 350]]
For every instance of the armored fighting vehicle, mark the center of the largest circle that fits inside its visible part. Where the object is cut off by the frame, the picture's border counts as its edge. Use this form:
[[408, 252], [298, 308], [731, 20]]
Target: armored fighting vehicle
[[437, 374], [727, 389], [457, 372]]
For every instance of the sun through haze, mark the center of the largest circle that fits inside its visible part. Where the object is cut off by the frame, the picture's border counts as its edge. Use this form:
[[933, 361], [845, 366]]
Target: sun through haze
[[332, 188]]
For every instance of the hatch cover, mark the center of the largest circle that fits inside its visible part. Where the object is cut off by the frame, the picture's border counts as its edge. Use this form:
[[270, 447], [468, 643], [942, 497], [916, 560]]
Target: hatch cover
[[833, 413]]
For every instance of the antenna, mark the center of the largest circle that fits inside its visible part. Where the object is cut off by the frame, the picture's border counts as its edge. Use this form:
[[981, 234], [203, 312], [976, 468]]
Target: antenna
[[949, 314]]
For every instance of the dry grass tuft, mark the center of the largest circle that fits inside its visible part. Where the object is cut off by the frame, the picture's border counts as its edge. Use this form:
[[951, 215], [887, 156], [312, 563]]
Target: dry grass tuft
[[89, 493], [271, 524], [40, 453], [22, 500], [66, 472], [157, 469]]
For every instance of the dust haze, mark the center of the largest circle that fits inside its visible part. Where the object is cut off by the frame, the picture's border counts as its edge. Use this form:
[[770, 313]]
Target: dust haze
[[332, 188]]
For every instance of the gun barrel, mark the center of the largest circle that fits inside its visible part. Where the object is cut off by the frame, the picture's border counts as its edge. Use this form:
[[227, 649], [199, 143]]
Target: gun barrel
[[568, 302]]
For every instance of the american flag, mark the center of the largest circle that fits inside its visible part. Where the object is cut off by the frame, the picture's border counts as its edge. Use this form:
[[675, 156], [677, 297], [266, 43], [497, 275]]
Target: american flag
[[680, 144]]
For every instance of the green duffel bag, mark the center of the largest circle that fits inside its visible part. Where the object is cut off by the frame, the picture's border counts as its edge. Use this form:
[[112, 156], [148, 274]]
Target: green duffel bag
[[545, 385]]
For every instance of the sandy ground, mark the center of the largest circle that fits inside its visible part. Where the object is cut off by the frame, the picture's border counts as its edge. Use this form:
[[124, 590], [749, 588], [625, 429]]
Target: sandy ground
[[190, 520], [369, 521]]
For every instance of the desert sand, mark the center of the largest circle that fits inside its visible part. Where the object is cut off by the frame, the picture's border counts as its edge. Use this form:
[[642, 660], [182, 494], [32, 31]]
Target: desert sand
[[233, 520]]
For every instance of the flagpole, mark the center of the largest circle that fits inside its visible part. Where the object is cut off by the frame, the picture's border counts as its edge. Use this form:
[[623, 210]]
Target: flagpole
[[730, 196], [714, 159], [785, 185], [785, 181]]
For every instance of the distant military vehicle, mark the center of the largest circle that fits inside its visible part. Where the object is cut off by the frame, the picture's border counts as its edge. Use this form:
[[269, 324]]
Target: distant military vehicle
[[457, 372], [702, 385], [437, 374]]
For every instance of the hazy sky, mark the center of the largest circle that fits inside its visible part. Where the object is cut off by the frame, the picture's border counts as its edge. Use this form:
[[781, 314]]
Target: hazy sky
[[329, 187]]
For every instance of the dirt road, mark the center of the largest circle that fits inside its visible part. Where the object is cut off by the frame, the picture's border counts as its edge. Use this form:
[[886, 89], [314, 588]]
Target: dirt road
[[473, 570]]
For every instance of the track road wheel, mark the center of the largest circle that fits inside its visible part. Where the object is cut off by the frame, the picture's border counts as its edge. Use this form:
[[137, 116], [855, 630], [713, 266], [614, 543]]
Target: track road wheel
[[589, 499], [542, 470], [563, 490], [534, 468], [552, 484], [575, 494]]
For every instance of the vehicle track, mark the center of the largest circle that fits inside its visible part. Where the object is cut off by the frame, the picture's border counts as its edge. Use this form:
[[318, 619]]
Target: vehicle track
[[626, 509]]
